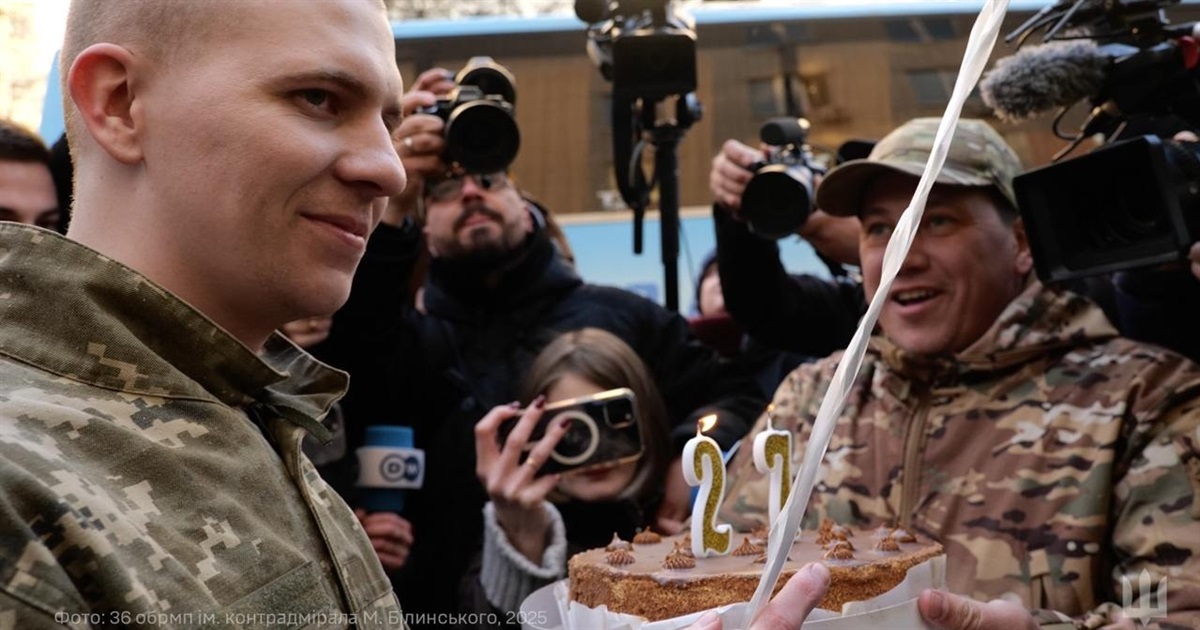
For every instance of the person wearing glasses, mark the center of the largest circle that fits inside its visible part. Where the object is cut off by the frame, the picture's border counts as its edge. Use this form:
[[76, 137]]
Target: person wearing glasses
[[496, 292]]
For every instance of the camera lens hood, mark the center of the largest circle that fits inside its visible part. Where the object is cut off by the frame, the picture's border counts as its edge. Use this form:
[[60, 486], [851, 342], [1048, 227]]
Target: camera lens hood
[[776, 202], [482, 136]]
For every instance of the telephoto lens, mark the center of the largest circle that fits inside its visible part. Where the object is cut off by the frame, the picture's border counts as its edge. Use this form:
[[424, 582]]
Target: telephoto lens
[[481, 129], [778, 199]]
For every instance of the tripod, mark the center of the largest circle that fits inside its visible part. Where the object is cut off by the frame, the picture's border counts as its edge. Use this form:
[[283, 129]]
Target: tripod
[[651, 121]]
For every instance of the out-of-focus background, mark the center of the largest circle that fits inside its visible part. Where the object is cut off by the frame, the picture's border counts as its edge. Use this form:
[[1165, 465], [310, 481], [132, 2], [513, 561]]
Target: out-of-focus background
[[854, 68], [30, 33]]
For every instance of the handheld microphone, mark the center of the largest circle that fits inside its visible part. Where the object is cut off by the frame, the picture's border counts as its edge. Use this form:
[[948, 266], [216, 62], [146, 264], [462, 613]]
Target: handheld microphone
[[388, 466], [1039, 79]]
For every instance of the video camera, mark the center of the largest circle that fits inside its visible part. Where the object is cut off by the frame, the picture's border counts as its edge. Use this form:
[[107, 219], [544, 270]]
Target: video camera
[[644, 47], [778, 199], [648, 50], [1136, 200], [481, 131]]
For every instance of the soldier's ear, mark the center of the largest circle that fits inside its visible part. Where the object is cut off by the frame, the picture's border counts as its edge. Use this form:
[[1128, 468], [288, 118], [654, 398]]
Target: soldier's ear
[[101, 84], [1023, 263]]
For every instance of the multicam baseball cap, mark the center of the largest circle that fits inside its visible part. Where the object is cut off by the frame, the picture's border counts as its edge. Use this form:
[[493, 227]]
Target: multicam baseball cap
[[978, 157]]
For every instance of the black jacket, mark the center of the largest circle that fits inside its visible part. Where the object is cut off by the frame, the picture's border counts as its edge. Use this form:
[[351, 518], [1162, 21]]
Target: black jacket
[[803, 314], [469, 354]]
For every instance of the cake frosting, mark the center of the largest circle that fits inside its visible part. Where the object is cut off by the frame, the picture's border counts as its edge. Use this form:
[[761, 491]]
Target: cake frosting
[[661, 580]]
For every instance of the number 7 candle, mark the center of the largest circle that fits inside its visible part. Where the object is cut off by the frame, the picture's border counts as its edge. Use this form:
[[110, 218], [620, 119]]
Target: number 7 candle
[[703, 466]]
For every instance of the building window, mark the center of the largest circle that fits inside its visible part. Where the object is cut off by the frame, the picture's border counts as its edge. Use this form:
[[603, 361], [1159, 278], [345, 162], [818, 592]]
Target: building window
[[938, 28], [816, 90], [766, 98], [919, 29], [778, 33], [901, 30], [933, 88]]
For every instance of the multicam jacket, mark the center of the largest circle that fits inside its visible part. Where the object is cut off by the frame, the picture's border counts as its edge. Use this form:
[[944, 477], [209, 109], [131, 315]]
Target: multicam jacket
[[1051, 459], [150, 464]]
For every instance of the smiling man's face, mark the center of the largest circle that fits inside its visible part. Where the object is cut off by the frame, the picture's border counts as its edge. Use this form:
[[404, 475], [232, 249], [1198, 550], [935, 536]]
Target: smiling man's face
[[965, 266]]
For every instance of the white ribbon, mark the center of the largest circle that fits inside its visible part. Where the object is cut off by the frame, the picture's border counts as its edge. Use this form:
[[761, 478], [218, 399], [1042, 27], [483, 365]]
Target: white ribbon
[[979, 48]]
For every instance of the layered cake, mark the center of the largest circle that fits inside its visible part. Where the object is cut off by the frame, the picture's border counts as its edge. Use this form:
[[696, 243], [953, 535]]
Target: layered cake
[[658, 578]]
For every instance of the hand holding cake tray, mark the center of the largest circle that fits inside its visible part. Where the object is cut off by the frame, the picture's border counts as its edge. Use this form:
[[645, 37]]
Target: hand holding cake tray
[[662, 583], [651, 592]]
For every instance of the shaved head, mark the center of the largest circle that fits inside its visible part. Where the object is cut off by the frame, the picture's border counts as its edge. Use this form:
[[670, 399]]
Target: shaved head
[[156, 30]]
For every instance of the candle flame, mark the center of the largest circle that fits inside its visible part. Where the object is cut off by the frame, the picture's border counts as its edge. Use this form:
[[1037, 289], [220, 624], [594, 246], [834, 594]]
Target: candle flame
[[706, 423], [770, 416]]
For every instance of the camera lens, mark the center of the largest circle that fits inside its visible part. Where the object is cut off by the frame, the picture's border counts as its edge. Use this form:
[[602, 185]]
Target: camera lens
[[619, 414], [482, 137], [575, 442], [580, 441], [777, 200]]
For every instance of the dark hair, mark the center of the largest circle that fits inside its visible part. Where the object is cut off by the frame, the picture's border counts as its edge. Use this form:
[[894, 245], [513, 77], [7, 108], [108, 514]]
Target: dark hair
[[18, 144], [602, 358], [707, 267]]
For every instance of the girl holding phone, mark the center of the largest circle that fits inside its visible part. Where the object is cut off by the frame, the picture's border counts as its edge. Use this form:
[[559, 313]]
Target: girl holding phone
[[533, 522]]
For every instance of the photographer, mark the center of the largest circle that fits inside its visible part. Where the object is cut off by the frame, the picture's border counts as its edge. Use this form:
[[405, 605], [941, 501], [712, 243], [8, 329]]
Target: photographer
[[496, 292], [798, 313]]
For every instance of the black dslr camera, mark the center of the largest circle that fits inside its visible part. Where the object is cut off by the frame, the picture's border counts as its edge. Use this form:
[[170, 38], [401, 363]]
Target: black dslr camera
[[778, 199], [604, 430], [1135, 201], [481, 130]]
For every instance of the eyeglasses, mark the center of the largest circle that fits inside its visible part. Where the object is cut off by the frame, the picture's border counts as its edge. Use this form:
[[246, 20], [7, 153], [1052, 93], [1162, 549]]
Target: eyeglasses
[[450, 187]]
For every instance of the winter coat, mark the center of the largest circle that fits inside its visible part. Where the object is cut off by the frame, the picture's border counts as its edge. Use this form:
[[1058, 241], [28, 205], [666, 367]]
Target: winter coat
[[1052, 459]]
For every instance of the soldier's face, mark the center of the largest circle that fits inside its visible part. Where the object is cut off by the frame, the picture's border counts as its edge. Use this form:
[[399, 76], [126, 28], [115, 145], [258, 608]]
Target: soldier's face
[[964, 267], [271, 152]]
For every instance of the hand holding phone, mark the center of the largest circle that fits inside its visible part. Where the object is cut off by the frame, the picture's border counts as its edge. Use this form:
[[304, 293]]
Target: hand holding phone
[[507, 470], [601, 429]]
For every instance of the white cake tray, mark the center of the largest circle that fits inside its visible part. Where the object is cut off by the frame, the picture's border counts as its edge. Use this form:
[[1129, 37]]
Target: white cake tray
[[550, 608]]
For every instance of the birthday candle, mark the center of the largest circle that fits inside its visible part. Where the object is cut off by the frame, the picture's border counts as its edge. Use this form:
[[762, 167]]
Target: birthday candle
[[703, 466], [773, 456]]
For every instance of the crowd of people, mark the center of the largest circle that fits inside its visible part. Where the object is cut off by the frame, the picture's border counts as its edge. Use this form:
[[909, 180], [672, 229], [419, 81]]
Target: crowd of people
[[259, 209]]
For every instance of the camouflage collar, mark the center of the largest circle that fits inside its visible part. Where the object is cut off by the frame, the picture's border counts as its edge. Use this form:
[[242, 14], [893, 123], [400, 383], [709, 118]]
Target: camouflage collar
[[73, 312], [1038, 321]]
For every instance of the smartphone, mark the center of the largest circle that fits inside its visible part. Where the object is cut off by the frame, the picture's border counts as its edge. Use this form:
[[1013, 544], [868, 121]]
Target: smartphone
[[604, 430]]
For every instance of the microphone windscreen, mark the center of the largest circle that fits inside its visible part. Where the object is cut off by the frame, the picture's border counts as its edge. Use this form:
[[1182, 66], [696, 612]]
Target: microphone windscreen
[[1042, 78]]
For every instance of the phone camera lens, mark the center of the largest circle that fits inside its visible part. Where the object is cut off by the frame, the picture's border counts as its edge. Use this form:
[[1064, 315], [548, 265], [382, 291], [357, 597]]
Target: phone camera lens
[[577, 440]]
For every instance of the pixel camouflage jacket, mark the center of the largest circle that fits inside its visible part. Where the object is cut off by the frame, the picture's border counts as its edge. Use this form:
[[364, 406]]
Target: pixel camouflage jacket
[[1051, 459], [150, 464]]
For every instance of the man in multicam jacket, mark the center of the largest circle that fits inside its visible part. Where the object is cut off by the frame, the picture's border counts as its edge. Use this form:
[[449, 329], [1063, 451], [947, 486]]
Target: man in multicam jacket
[[231, 159], [1054, 460]]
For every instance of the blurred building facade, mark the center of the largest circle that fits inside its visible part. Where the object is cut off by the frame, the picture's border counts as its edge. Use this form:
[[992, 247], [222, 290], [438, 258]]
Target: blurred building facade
[[23, 70], [852, 76]]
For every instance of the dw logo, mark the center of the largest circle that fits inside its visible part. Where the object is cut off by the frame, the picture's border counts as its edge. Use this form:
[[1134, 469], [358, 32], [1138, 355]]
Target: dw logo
[[1150, 603], [391, 467], [395, 468]]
